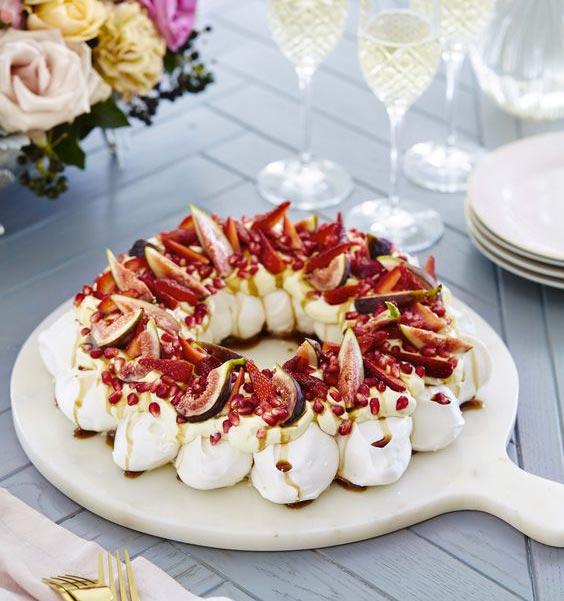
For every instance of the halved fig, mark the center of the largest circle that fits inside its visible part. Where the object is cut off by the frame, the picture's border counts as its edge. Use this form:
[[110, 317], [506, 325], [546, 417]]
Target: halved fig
[[114, 333], [428, 317], [420, 338], [132, 371], [324, 258], [382, 375], [127, 279], [339, 295], [221, 353], [332, 276], [177, 369], [289, 394], [434, 368], [162, 318], [213, 240], [419, 278], [177, 291], [351, 369], [163, 267], [310, 350], [377, 247], [370, 304], [212, 400], [146, 343]]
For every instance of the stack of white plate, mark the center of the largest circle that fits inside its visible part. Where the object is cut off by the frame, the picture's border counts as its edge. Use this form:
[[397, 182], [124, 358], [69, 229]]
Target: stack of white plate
[[515, 208]]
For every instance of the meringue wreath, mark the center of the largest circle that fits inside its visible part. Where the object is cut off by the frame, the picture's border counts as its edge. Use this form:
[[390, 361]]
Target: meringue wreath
[[382, 371]]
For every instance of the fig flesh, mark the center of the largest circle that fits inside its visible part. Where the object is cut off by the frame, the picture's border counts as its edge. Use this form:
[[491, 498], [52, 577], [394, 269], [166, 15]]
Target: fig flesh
[[221, 353], [421, 338], [351, 369], [212, 400], [332, 276], [112, 334], [162, 318], [164, 268], [370, 304], [126, 279], [213, 240], [310, 350], [289, 394], [434, 368]]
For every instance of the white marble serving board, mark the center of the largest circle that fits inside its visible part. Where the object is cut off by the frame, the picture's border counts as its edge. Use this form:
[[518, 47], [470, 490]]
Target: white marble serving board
[[472, 473]]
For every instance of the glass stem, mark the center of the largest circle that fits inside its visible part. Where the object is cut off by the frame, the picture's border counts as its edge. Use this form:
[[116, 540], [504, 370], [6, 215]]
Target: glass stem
[[396, 119], [453, 60], [304, 78]]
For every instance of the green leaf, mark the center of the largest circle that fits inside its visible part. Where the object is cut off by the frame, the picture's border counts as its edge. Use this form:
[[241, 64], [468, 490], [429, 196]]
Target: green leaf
[[106, 114], [68, 148], [393, 310]]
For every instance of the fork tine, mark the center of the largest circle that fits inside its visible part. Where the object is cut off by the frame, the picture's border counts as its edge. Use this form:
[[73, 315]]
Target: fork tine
[[121, 580], [130, 578], [111, 577], [80, 580], [100, 568]]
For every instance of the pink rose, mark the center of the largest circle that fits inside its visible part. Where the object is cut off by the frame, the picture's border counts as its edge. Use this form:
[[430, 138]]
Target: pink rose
[[11, 13], [174, 19]]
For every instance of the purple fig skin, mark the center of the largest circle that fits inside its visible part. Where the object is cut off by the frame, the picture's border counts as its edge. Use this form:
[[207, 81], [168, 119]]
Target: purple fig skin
[[212, 400], [369, 304], [332, 276], [281, 379], [434, 368], [221, 353], [378, 246], [311, 350]]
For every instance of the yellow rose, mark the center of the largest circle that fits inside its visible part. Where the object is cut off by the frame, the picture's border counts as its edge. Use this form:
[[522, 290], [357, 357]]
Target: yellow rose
[[129, 54], [77, 20]]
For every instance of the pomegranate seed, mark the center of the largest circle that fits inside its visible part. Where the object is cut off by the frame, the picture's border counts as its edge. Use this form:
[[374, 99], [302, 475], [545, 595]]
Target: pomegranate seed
[[335, 395], [132, 399], [166, 337], [190, 321], [116, 384], [360, 400], [154, 409], [402, 403], [318, 406], [215, 438], [440, 398], [78, 298], [428, 351], [374, 406], [270, 419], [107, 378], [115, 397], [111, 352], [96, 317], [364, 389], [280, 412], [380, 386], [144, 386], [180, 419], [420, 371], [406, 368], [234, 418], [85, 331], [380, 444], [168, 380], [345, 427], [162, 391], [96, 353], [337, 409], [87, 290], [351, 315], [226, 426], [246, 409]]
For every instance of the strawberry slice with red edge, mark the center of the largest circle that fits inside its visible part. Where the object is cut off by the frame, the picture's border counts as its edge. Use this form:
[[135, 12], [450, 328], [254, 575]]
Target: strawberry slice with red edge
[[230, 229], [177, 369], [163, 297], [177, 291], [290, 231], [269, 257], [381, 374], [236, 385], [262, 385], [339, 295], [183, 251], [388, 281], [191, 353], [187, 223], [323, 259], [429, 268], [105, 283], [268, 220]]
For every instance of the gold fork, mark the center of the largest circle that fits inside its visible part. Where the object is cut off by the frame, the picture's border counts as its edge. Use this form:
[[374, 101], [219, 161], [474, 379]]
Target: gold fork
[[131, 584], [67, 585]]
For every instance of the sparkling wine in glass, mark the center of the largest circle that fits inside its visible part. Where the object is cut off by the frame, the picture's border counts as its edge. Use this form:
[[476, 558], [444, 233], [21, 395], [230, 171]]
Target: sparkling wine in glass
[[306, 31], [444, 164], [399, 54]]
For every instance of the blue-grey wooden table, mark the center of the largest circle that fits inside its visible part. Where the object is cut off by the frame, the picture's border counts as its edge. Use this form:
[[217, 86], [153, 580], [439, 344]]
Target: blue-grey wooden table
[[208, 150]]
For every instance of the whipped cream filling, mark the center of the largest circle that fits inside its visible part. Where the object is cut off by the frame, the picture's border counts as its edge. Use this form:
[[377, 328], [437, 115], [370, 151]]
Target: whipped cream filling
[[375, 452], [296, 471], [205, 466]]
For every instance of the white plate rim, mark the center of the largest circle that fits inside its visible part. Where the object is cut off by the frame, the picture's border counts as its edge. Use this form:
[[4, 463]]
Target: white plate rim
[[484, 163]]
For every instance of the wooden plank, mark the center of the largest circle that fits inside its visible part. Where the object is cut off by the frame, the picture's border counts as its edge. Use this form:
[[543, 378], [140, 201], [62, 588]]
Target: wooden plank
[[30, 486], [13, 457], [405, 566], [232, 592], [302, 575]]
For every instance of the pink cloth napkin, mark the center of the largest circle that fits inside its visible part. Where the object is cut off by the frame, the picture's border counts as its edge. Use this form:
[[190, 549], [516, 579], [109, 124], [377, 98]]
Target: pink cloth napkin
[[33, 547]]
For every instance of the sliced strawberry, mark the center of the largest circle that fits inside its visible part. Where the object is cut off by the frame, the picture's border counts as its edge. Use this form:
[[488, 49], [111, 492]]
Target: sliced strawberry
[[163, 297], [434, 368], [183, 251], [290, 231], [388, 281], [339, 295], [262, 386], [309, 224], [176, 290], [231, 233], [136, 264], [107, 306], [329, 347], [187, 223], [237, 384], [191, 353], [368, 340], [324, 233], [177, 369], [105, 283], [268, 220], [429, 268], [313, 387], [381, 374], [269, 257], [323, 259]]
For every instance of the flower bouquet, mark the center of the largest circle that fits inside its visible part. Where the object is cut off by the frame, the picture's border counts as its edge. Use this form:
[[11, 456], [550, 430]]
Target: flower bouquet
[[68, 67]]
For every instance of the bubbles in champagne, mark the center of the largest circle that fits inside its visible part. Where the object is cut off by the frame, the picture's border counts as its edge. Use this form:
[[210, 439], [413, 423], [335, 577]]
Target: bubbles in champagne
[[399, 55], [307, 30]]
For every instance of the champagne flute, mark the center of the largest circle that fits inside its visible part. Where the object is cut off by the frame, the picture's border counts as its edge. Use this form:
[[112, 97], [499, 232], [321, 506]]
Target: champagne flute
[[399, 54], [306, 31], [444, 165]]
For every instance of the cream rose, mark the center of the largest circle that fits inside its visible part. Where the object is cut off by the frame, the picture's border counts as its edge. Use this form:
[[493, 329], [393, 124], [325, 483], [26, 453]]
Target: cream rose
[[77, 20], [43, 82], [129, 54]]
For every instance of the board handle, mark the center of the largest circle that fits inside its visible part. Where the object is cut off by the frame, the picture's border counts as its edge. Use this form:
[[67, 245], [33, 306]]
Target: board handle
[[533, 505]]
